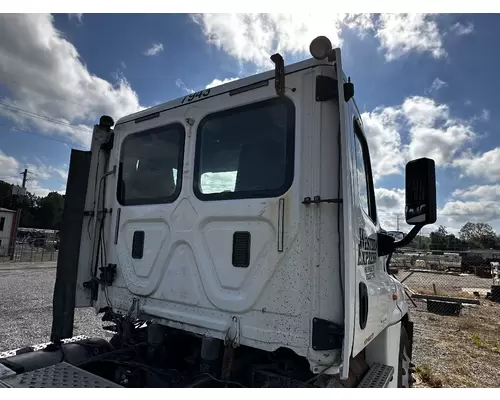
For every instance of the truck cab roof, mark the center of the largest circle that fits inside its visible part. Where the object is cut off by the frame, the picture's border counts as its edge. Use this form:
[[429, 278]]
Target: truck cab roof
[[234, 86]]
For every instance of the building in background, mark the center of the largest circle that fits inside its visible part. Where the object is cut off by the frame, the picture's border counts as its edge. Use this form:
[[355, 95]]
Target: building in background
[[7, 220]]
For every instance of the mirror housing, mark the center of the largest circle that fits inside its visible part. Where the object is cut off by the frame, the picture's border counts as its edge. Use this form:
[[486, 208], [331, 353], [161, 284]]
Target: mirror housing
[[421, 206]]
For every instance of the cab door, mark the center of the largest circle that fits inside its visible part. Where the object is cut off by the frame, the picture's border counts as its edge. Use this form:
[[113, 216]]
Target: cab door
[[373, 284], [367, 286]]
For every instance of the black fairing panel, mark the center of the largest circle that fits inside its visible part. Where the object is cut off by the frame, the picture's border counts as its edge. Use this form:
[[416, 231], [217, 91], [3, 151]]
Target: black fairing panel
[[69, 250]]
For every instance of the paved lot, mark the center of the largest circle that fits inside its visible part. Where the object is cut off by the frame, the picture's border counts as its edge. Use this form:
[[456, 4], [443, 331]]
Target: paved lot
[[26, 306]]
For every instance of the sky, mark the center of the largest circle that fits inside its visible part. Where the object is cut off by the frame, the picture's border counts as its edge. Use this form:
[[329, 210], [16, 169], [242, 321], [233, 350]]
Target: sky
[[426, 85]]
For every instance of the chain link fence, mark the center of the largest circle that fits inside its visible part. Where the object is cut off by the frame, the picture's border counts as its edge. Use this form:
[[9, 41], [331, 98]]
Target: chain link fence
[[455, 304], [27, 248], [459, 277]]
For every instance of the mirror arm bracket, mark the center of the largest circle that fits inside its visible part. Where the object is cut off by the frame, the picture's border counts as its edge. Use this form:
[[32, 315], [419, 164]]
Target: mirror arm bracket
[[387, 245], [408, 238]]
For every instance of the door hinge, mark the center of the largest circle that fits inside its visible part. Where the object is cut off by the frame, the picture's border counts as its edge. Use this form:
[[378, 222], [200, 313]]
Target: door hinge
[[233, 333], [318, 199]]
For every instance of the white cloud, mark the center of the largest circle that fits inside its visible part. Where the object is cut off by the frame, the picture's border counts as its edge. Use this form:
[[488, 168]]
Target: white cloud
[[33, 186], [484, 116], [45, 172], [479, 192], [253, 38], [437, 84], [459, 212], [461, 29], [154, 49], [123, 65], [382, 128], [218, 82], [483, 165], [432, 132], [46, 78], [404, 33], [390, 200], [475, 204], [441, 144], [180, 84], [11, 168], [390, 209], [78, 17]]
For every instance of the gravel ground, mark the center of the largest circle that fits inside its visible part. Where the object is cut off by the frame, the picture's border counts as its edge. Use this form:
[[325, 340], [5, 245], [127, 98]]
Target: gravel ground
[[461, 351], [26, 306], [457, 351]]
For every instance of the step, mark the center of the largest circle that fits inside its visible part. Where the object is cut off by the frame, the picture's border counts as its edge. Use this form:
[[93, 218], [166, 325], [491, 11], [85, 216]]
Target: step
[[62, 375], [378, 376]]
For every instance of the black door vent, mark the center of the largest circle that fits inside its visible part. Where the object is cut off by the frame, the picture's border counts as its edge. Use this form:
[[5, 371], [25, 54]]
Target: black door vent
[[138, 245], [241, 249]]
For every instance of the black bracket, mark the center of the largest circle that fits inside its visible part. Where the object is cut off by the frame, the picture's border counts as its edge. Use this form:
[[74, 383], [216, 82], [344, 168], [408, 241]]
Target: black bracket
[[318, 199], [279, 73], [106, 278], [93, 286], [108, 145], [348, 90], [107, 274], [326, 335], [326, 88]]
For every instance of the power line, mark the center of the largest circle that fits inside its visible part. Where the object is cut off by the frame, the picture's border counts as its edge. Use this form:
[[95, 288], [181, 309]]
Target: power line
[[8, 107], [44, 136]]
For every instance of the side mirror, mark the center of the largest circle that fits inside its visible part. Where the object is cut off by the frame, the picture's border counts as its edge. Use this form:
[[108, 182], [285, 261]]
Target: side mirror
[[421, 206]]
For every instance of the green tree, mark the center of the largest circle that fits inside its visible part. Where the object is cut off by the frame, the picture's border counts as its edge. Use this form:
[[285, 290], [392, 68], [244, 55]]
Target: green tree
[[49, 211], [479, 235], [438, 238]]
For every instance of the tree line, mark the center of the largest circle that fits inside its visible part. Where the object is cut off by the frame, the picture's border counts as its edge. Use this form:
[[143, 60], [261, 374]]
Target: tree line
[[36, 212], [472, 236]]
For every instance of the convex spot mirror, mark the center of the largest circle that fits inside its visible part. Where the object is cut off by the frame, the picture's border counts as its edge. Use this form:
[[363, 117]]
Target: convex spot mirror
[[421, 207]]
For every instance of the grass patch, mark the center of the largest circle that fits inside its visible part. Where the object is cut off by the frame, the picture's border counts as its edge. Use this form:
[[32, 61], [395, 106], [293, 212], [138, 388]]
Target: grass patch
[[485, 345], [427, 376]]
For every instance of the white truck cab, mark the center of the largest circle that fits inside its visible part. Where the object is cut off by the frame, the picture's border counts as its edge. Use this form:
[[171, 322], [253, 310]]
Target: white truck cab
[[245, 214]]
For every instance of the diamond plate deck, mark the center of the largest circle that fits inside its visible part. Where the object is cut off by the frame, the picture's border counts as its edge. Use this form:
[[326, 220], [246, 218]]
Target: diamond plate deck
[[62, 375], [378, 376], [5, 372]]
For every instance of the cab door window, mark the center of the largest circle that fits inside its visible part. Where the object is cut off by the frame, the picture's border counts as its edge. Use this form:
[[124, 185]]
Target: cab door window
[[364, 174]]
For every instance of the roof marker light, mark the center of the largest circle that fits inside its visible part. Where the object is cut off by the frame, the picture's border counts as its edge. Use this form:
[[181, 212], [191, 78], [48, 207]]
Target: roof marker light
[[320, 47]]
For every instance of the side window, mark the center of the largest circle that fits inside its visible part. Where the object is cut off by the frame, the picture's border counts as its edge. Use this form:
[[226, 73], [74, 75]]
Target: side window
[[364, 174], [151, 166], [246, 152], [2, 223]]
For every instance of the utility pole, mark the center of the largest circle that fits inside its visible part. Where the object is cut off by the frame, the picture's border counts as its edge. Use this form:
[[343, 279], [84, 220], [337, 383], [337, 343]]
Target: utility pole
[[18, 214], [397, 222]]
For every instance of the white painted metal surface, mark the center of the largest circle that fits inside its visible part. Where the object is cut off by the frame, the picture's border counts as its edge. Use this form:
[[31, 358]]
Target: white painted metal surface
[[185, 278]]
